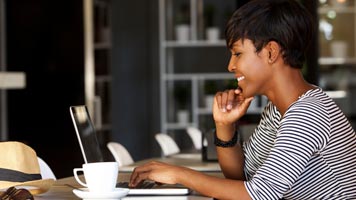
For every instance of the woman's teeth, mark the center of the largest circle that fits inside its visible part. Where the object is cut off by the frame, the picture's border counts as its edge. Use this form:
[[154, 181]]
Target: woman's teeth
[[240, 78]]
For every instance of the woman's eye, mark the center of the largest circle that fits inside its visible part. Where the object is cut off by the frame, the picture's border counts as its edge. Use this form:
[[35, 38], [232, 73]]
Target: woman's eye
[[237, 54]]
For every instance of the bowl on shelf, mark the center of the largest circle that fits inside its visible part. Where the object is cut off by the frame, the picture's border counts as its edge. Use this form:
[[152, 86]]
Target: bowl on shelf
[[183, 116]]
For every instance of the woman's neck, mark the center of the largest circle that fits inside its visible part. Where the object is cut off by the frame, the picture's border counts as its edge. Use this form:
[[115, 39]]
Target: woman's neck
[[288, 86]]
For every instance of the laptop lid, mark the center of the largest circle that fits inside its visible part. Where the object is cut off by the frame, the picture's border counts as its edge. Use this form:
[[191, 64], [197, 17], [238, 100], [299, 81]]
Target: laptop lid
[[86, 134]]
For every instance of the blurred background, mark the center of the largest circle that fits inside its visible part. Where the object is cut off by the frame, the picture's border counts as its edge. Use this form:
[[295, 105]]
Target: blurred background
[[141, 67]]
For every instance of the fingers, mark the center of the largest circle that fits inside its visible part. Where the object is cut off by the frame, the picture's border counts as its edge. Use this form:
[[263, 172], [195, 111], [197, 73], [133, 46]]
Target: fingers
[[230, 99], [230, 106], [248, 101], [143, 172], [225, 100], [140, 174], [139, 178]]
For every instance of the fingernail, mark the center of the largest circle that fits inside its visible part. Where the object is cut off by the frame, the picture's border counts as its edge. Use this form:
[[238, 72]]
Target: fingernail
[[223, 110], [229, 107]]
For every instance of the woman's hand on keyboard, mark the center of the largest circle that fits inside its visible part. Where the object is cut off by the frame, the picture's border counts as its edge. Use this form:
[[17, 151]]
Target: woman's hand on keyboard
[[155, 171]]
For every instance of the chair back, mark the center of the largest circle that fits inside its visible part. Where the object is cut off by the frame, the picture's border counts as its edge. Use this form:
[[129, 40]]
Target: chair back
[[167, 144], [120, 153], [46, 171], [196, 135]]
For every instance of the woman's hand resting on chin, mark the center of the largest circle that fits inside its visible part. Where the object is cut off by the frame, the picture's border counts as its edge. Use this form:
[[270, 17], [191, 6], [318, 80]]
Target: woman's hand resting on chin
[[230, 106]]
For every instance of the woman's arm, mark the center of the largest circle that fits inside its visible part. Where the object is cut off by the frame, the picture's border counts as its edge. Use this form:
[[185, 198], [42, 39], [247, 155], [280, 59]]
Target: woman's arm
[[231, 162], [231, 159], [229, 107], [212, 186], [219, 188]]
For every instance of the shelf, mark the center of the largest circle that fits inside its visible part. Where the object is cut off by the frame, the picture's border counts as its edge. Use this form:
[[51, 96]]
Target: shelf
[[336, 61], [198, 76], [179, 61], [179, 125], [12, 80], [194, 43], [102, 60], [338, 9]]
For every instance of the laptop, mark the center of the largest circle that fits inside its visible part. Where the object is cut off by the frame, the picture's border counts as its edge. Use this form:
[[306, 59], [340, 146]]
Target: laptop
[[91, 152]]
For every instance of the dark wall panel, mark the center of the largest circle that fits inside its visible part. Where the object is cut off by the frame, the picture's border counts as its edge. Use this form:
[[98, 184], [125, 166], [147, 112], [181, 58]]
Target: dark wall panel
[[135, 73], [45, 40]]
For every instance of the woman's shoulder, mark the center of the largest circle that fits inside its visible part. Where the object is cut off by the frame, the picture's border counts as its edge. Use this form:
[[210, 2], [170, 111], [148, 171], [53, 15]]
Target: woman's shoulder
[[314, 100]]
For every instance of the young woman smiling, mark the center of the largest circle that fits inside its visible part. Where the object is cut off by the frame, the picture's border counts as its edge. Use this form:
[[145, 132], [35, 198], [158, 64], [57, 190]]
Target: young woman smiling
[[303, 148]]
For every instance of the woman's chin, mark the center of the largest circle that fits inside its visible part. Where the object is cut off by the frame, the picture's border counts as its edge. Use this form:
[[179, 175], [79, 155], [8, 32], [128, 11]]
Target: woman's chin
[[247, 95]]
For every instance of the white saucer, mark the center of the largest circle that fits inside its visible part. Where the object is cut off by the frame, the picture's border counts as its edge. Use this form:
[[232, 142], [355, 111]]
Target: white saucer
[[116, 194]]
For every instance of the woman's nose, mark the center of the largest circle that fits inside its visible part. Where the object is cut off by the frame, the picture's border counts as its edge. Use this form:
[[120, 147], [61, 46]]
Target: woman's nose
[[232, 66]]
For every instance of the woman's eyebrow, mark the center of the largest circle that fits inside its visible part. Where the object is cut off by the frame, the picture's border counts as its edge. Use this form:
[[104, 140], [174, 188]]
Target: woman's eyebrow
[[237, 44]]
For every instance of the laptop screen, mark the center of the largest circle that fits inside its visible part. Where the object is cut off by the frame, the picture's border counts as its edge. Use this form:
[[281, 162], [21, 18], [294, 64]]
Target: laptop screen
[[86, 134]]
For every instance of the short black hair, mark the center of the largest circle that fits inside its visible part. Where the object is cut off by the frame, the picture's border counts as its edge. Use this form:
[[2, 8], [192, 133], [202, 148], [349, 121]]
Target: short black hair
[[286, 22]]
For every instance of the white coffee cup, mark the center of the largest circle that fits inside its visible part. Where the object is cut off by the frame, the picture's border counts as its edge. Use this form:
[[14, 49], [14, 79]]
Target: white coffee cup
[[99, 176]]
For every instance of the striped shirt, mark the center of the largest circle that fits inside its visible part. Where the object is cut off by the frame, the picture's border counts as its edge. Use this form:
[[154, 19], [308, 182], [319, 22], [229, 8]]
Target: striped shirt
[[310, 153]]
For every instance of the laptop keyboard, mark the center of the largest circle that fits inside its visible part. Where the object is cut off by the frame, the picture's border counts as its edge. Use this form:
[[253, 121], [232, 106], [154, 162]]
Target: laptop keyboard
[[143, 185]]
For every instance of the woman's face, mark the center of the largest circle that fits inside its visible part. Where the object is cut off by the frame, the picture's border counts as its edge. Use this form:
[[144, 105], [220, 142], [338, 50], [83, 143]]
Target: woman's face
[[251, 69]]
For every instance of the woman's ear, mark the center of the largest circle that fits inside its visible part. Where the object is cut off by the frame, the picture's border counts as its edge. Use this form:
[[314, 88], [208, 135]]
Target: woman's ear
[[274, 52]]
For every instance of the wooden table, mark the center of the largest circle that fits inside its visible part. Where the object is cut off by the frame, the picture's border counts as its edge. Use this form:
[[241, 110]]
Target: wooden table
[[193, 161], [60, 191]]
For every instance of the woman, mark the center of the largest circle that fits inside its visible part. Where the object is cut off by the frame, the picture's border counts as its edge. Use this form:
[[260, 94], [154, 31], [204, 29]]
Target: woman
[[303, 148]]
